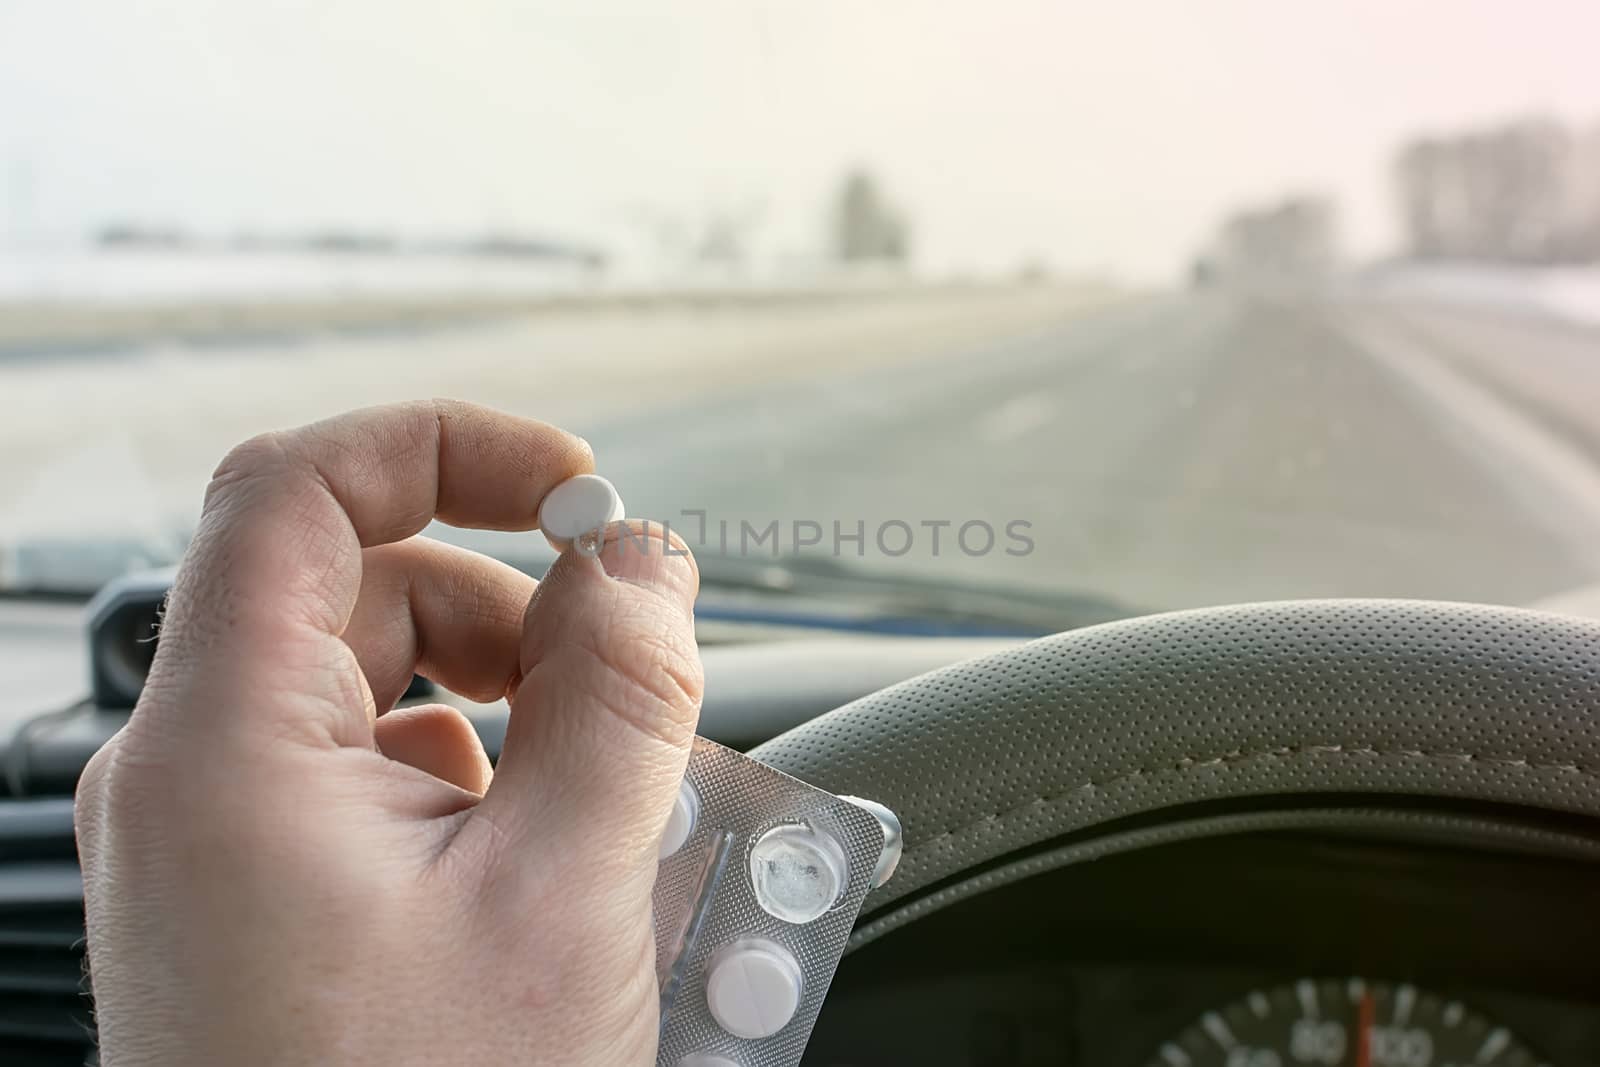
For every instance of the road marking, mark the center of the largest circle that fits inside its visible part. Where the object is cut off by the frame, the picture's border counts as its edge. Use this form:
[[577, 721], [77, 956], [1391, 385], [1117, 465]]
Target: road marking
[[1404, 997], [1218, 1030], [1174, 1055], [1499, 427], [1494, 1044], [1307, 992]]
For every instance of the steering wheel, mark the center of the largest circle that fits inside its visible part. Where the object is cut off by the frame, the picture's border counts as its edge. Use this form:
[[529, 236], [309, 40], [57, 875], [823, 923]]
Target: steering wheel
[[1384, 716]]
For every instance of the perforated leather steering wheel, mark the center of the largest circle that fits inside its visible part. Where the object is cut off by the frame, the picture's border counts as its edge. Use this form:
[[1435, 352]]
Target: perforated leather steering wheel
[[1386, 716]]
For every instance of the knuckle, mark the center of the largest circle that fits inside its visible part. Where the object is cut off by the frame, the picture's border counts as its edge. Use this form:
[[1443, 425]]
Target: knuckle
[[92, 781], [121, 791], [246, 472], [90, 797], [260, 454], [270, 520], [137, 757]]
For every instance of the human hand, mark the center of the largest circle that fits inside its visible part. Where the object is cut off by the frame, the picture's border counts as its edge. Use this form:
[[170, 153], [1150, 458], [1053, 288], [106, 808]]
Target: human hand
[[280, 870]]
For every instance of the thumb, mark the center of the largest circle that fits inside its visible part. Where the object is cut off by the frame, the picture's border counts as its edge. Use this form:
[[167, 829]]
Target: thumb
[[602, 722]]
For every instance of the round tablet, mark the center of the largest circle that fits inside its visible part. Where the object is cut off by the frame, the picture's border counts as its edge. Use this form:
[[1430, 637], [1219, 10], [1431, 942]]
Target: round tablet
[[798, 872], [579, 505], [753, 988], [680, 824]]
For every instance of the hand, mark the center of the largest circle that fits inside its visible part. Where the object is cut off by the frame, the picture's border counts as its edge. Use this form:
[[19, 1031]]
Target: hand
[[278, 869]]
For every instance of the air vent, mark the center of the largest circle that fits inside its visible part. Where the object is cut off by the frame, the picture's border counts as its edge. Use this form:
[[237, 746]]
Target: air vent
[[45, 1018]]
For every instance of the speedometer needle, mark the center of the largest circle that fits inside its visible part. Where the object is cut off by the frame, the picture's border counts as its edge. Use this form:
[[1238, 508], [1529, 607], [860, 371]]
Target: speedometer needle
[[1364, 1031]]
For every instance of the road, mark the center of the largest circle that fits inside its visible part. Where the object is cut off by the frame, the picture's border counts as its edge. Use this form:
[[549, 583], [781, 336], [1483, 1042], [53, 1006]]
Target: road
[[1173, 452], [1164, 451]]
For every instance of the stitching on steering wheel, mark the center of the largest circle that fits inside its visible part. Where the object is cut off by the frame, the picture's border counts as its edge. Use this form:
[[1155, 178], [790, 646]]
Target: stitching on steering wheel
[[1235, 756]]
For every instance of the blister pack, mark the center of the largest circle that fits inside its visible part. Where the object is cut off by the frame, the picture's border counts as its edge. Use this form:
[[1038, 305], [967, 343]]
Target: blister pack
[[760, 882]]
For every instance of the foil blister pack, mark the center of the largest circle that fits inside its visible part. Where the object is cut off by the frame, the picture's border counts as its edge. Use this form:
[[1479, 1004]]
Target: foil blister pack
[[760, 882]]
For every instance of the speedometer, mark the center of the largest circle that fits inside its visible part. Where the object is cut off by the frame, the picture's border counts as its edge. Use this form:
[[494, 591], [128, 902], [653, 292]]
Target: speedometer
[[1349, 1023]]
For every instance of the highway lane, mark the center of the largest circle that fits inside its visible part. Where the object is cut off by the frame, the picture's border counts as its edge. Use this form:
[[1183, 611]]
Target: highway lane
[[1164, 451], [1169, 453], [1549, 367]]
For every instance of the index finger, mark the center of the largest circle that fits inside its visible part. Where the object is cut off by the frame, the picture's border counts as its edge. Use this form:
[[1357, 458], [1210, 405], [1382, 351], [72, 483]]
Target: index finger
[[273, 572]]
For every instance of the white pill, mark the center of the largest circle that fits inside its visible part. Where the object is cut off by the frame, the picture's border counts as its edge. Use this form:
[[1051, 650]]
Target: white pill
[[579, 505], [798, 873], [753, 988], [680, 824]]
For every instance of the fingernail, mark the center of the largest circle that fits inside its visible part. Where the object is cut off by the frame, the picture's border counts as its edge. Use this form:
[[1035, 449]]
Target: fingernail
[[648, 553]]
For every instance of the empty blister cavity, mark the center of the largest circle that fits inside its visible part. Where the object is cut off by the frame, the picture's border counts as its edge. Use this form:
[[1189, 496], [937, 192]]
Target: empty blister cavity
[[753, 988], [798, 872]]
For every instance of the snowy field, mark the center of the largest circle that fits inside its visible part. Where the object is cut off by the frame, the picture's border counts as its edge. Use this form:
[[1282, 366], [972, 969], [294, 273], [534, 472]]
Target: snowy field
[[79, 273], [1571, 293]]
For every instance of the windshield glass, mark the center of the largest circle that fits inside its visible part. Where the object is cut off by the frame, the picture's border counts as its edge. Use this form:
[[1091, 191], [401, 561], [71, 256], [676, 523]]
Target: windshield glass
[[1150, 305]]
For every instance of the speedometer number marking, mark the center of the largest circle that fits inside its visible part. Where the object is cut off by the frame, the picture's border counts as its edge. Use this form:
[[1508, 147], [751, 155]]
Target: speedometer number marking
[[1317, 1041], [1345, 1023], [1401, 1046]]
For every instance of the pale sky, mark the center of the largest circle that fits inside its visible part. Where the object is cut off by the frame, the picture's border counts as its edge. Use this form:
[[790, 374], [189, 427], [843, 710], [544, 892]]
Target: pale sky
[[1105, 136]]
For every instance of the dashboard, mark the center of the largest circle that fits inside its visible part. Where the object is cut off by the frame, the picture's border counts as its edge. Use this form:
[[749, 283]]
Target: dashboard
[[1253, 951], [1268, 949]]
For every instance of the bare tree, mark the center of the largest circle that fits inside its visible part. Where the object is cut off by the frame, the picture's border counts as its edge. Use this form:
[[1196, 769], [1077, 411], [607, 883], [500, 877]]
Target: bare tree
[[722, 237], [866, 226], [1295, 238], [1509, 192]]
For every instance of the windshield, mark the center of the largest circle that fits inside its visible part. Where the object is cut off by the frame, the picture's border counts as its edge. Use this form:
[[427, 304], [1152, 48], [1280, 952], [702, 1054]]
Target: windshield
[[1151, 305]]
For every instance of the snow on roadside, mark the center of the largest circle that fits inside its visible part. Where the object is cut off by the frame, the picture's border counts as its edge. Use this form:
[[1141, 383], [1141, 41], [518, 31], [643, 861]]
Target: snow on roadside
[[1569, 293]]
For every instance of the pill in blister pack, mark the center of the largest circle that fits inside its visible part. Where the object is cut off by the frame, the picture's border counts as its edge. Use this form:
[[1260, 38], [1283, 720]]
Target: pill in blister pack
[[760, 882]]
